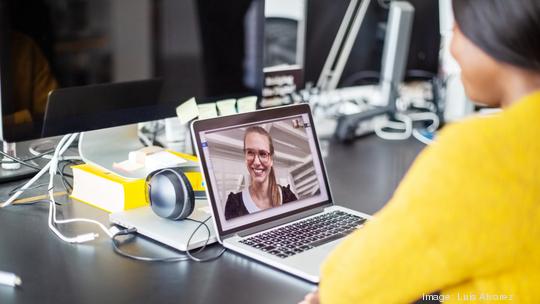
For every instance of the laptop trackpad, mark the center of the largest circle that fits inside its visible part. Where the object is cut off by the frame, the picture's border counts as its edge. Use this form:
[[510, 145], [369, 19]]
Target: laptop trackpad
[[310, 261]]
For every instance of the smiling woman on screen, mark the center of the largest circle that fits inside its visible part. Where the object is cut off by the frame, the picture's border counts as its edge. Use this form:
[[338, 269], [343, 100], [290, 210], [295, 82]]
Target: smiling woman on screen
[[263, 192]]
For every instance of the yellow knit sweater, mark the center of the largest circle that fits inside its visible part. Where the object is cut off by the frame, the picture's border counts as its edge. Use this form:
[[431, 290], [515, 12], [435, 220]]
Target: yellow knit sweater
[[465, 221]]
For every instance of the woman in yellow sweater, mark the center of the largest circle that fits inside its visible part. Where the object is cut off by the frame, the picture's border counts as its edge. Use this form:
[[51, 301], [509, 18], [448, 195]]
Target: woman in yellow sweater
[[465, 221]]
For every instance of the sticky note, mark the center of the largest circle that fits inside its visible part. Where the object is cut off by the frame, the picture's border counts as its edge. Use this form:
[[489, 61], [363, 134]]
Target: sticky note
[[247, 104], [207, 110], [187, 111], [226, 107]]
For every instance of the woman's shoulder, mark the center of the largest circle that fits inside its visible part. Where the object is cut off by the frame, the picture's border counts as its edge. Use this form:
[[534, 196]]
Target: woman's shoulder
[[287, 194], [234, 206], [495, 129], [472, 140], [462, 162], [233, 200]]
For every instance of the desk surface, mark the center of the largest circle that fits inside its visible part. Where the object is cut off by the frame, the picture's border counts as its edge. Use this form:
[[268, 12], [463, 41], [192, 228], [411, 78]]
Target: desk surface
[[362, 176]]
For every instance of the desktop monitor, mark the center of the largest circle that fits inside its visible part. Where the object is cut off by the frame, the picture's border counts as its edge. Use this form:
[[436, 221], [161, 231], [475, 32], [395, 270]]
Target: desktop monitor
[[92, 64], [323, 19]]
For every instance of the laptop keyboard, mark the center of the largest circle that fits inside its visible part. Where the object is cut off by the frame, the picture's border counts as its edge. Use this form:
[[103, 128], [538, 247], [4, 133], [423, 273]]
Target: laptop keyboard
[[304, 235]]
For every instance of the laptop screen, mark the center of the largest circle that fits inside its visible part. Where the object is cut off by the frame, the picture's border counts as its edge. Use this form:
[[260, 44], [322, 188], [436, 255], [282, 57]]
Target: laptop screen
[[261, 166]]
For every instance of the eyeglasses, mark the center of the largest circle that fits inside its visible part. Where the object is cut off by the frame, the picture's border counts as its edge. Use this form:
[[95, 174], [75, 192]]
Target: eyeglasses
[[264, 156]]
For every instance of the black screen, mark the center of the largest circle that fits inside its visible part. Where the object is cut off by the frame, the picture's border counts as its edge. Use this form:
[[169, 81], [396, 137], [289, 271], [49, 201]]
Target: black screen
[[364, 63], [144, 57]]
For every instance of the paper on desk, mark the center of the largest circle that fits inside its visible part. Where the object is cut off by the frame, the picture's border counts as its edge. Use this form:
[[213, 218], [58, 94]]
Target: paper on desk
[[226, 106], [139, 156], [163, 159], [207, 110], [187, 111], [128, 166], [247, 104]]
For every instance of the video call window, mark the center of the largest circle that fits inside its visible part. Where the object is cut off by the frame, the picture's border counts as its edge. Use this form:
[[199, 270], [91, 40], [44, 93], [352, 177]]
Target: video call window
[[263, 166]]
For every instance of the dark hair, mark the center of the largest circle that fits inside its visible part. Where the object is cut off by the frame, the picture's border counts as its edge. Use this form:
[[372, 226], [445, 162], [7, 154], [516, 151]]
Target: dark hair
[[507, 30], [273, 185]]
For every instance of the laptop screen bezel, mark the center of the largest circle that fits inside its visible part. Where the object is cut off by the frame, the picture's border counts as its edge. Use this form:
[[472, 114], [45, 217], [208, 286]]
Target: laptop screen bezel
[[199, 126]]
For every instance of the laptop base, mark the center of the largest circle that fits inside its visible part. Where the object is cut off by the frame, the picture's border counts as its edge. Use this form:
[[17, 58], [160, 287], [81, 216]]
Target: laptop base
[[171, 233]]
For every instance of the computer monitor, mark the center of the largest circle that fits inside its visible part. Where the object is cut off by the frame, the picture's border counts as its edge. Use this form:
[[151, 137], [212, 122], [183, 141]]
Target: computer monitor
[[323, 19], [101, 63]]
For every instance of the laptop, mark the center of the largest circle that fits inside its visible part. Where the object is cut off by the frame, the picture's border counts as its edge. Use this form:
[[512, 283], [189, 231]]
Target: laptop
[[181, 235], [302, 228]]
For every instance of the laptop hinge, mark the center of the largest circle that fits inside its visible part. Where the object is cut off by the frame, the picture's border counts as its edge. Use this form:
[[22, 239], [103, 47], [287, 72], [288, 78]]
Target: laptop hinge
[[281, 221]]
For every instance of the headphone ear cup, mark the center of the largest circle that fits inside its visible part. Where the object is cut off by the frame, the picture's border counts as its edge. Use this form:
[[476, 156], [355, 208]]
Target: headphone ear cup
[[189, 196], [170, 194]]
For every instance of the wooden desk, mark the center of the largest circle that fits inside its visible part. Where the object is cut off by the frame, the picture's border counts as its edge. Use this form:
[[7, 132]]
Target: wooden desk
[[362, 176]]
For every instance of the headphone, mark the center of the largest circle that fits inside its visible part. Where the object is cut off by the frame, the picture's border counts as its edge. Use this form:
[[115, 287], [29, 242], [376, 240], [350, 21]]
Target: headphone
[[170, 193]]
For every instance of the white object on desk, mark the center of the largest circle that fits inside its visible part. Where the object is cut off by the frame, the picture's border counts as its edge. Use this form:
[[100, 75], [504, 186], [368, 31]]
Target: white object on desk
[[163, 159], [7, 164], [187, 111], [226, 107], [140, 155], [246, 104], [149, 158], [207, 110], [175, 234], [9, 279]]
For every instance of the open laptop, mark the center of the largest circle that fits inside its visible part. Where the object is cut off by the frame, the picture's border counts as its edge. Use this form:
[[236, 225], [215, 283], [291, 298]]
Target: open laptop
[[295, 236]]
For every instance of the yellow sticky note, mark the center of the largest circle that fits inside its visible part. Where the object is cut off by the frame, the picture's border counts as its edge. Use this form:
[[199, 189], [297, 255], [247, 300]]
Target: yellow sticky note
[[247, 104], [187, 111], [207, 110], [226, 106]]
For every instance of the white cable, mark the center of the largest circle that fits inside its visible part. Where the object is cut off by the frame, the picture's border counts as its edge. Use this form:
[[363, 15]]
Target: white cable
[[32, 148], [421, 137], [34, 152], [61, 158], [73, 220], [52, 203], [52, 167], [78, 239], [404, 123], [393, 125], [32, 180], [421, 116]]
